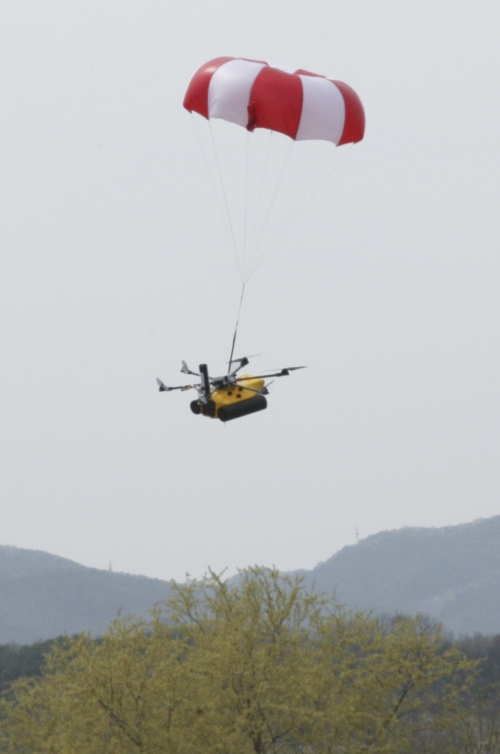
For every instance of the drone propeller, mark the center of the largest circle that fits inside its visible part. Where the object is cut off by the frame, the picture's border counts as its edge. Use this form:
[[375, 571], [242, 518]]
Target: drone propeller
[[162, 387], [245, 358], [284, 373], [186, 370], [240, 364]]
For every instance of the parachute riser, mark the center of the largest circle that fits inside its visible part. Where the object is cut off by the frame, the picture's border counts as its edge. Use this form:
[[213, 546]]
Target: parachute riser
[[236, 329]]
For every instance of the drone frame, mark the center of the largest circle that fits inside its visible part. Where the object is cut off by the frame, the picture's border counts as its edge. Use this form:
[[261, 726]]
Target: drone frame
[[208, 385]]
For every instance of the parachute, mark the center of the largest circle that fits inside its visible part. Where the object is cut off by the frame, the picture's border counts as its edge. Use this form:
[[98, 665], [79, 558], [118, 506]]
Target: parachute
[[258, 193], [299, 104]]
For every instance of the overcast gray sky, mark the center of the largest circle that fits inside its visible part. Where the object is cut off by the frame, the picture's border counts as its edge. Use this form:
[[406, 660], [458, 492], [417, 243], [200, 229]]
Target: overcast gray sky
[[115, 266]]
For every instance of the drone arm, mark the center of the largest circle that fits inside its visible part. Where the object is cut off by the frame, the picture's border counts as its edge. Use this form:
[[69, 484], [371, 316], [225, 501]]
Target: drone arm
[[241, 363], [263, 390], [165, 388], [283, 373]]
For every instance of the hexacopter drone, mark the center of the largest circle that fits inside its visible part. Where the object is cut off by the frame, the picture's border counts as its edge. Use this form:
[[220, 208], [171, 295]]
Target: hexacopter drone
[[230, 396]]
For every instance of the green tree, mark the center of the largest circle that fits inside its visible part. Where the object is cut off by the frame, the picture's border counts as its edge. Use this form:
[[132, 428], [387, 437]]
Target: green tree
[[258, 666], [22, 661]]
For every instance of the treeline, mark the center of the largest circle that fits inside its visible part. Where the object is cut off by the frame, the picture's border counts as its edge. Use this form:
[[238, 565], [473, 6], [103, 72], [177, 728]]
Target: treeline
[[23, 661], [486, 651], [258, 667], [28, 660]]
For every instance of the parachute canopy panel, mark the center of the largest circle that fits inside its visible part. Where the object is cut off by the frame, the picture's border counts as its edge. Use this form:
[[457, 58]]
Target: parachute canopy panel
[[299, 104]]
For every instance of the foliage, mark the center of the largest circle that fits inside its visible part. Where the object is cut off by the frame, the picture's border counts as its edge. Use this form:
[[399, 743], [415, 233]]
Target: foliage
[[485, 649], [259, 666], [22, 661]]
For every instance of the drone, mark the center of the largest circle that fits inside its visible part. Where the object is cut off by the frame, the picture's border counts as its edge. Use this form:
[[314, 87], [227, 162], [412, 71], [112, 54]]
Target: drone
[[230, 396]]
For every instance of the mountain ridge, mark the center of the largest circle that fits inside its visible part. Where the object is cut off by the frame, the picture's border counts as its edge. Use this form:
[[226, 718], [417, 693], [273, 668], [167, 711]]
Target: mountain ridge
[[44, 595], [450, 573]]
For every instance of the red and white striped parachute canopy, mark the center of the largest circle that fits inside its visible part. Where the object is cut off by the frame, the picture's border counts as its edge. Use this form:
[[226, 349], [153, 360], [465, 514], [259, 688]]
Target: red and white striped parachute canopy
[[297, 103]]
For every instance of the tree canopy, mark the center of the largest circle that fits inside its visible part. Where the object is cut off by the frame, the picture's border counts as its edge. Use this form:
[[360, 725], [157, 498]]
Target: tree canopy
[[256, 665]]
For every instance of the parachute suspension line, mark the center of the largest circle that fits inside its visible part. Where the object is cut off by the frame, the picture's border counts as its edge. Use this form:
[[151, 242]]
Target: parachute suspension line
[[268, 214], [215, 192], [219, 171], [308, 187], [236, 329], [315, 173], [298, 211], [245, 212], [261, 190]]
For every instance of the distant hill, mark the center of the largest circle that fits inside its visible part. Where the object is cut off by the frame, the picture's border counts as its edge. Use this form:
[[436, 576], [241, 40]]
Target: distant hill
[[451, 574], [42, 596]]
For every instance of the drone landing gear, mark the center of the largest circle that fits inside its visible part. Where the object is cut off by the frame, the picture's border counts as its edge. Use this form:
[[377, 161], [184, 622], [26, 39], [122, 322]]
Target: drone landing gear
[[235, 410]]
